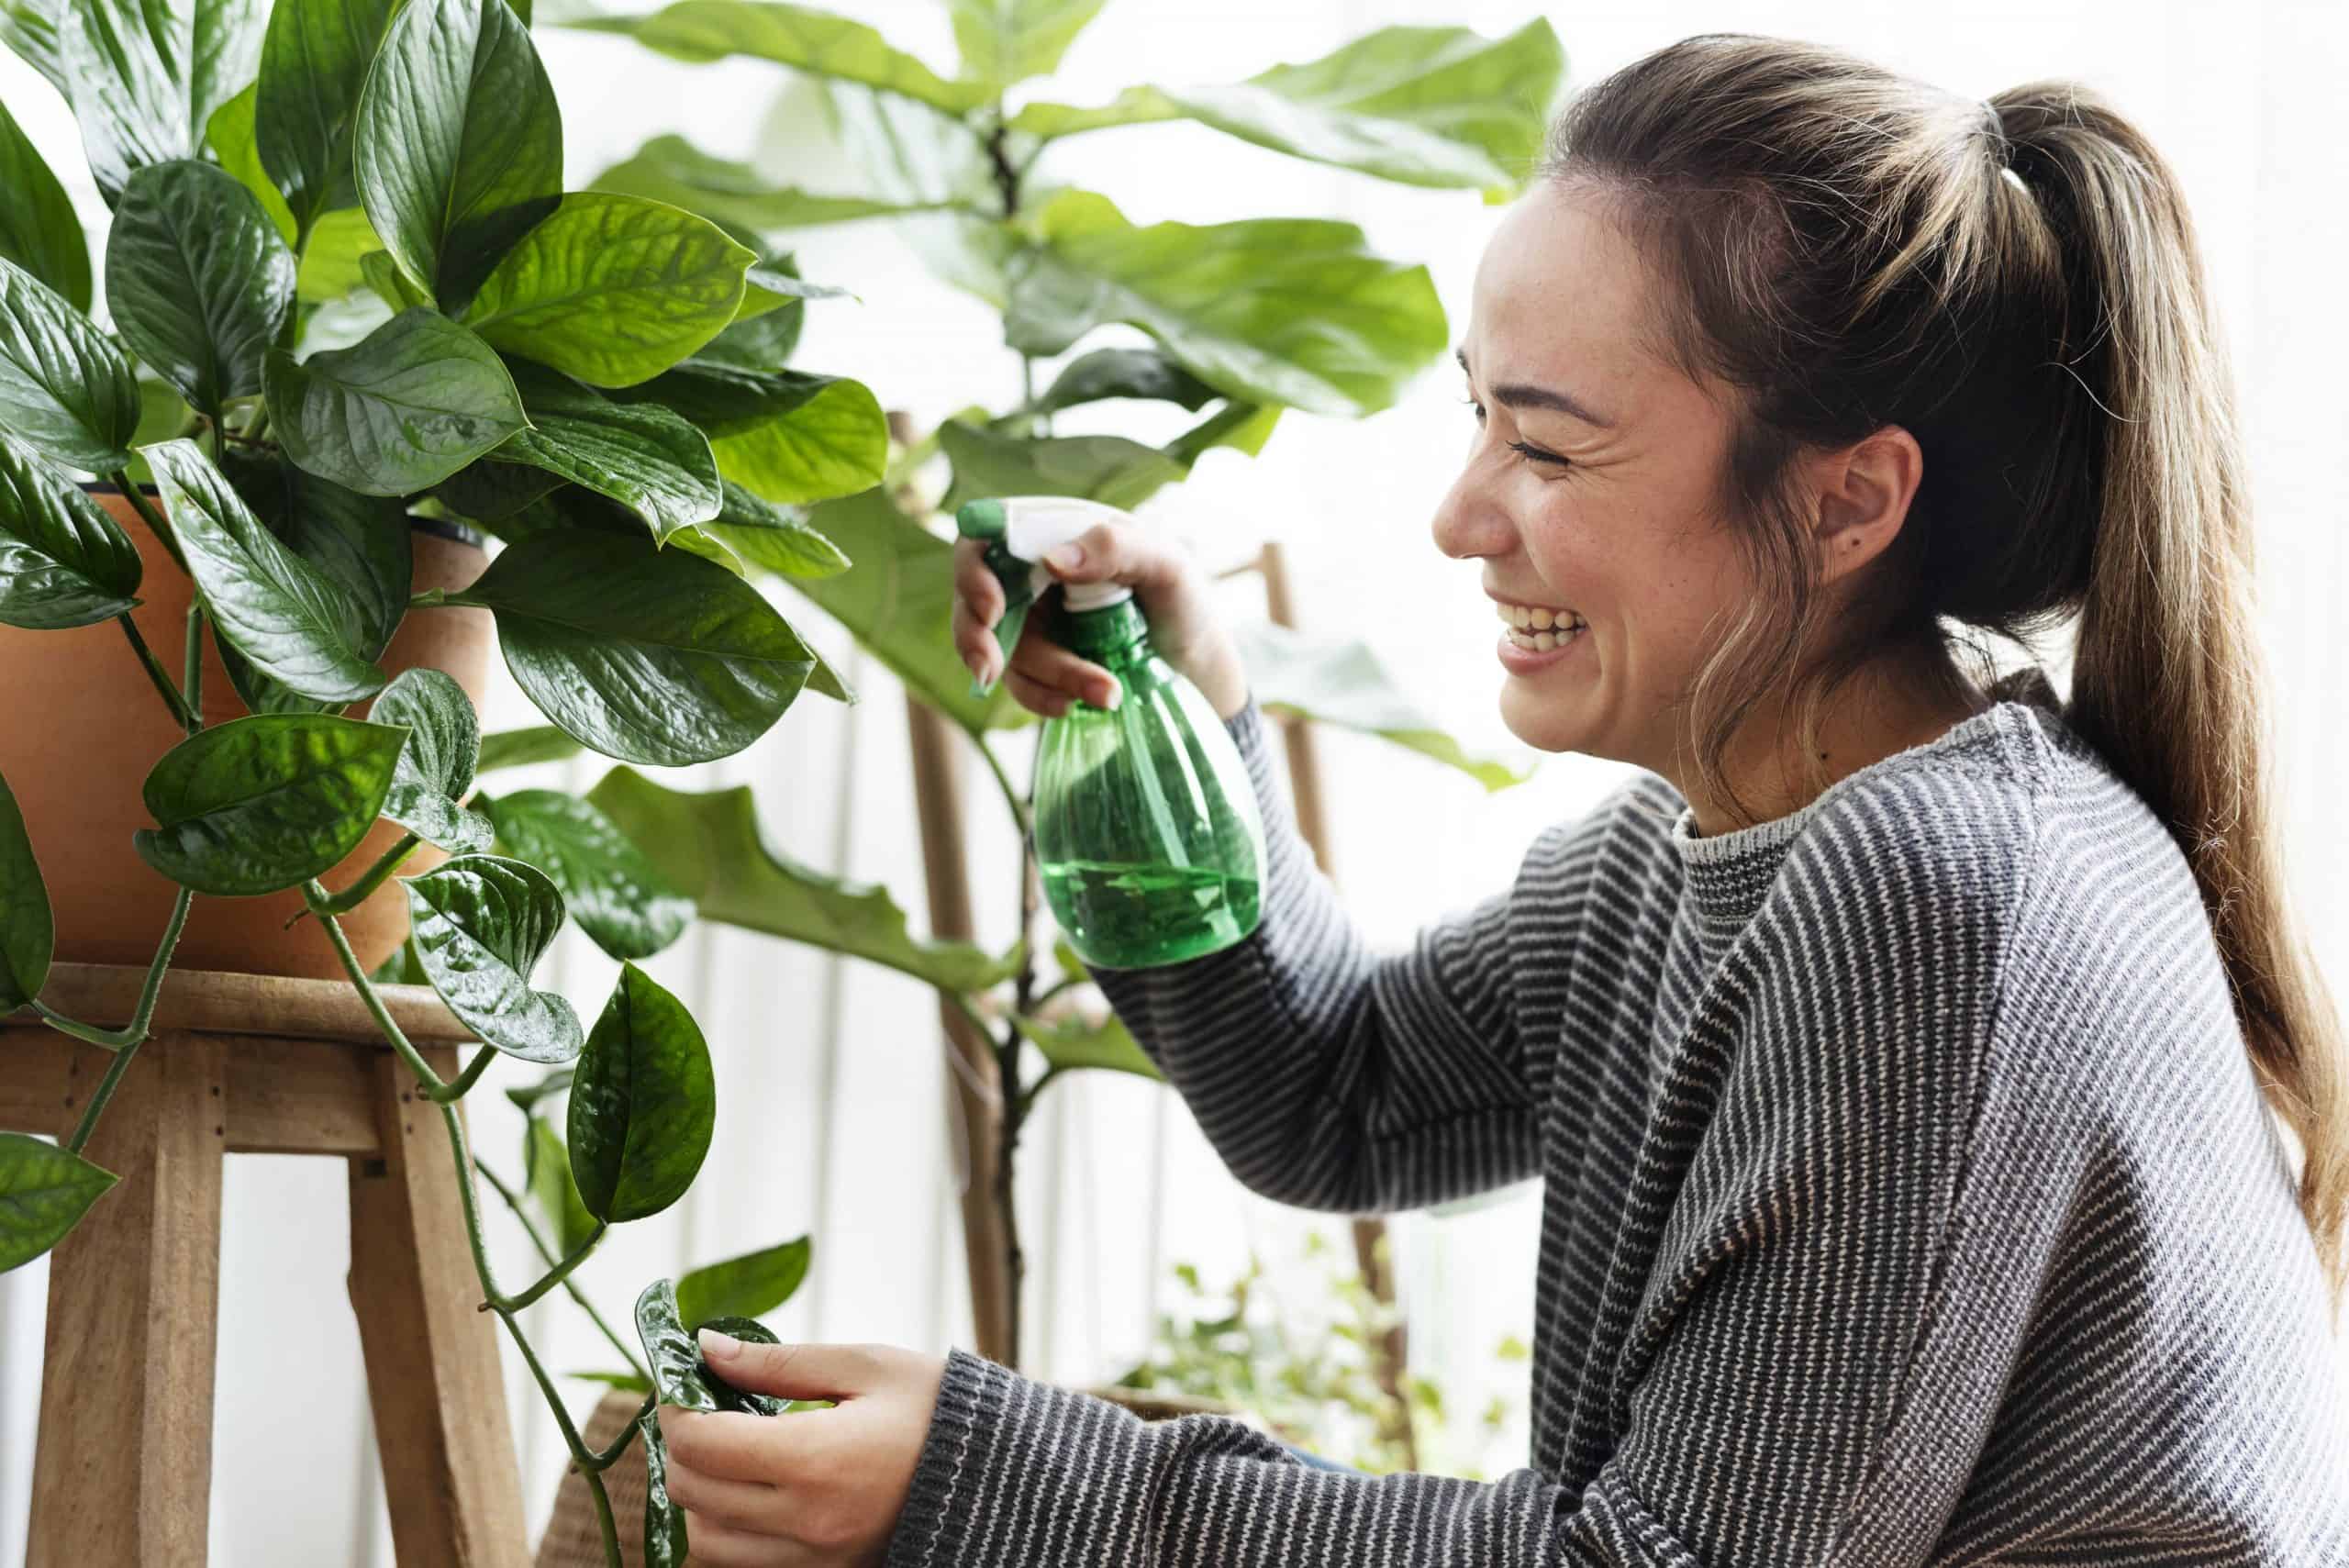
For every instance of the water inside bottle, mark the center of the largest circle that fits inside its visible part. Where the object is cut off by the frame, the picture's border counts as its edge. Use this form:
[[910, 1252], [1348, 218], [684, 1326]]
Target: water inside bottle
[[1151, 914]]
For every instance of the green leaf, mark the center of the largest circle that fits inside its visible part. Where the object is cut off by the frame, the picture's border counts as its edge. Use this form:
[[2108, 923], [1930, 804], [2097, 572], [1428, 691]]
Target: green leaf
[[905, 151], [1074, 1043], [361, 544], [546, 1175], [1004, 41], [66, 390], [699, 31], [436, 767], [39, 231], [669, 1350], [612, 289], [617, 895], [198, 279], [458, 142], [1342, 681], [1290, 311], [265, 802], [229, 134], [44, 1192], [744, 1286], [519, 748], [1425, 105], [403, 968], [646, 654], [144, 78], [526, 1096], [708, 846], [786, 435], [665, 1539], [27, 26], [334, 257], [280, 611], [764, 340], [777, 538], [627, 1380], [27, 931], [63, 560], [313, 62], [643, 1103], [671, 169], [415, 401], [481, 924], [1122, 372], [391, 286], [640, 454], [901, 603], [751, 1331], [1108, 469]]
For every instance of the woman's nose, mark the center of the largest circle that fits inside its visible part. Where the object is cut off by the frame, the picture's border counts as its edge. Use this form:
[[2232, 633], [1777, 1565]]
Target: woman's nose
[[1469, 524]]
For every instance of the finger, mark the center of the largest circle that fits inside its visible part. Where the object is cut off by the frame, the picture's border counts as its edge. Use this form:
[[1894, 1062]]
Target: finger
[[801, 1371], [1036, 697], [976, 644], [1050, 665], [976, 583], [730, 1444], [745, 1505], [711, 1543]]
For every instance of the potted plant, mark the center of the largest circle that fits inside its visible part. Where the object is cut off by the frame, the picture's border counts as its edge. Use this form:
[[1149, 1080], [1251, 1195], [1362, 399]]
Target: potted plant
[[353, 310]]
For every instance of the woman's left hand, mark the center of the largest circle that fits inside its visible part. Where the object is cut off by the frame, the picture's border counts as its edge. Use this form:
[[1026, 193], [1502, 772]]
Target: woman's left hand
[[815, 1488]]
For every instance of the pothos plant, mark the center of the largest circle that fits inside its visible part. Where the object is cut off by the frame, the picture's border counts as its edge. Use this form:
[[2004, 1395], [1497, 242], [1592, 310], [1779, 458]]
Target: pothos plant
[[1240, 321], [344, 285]]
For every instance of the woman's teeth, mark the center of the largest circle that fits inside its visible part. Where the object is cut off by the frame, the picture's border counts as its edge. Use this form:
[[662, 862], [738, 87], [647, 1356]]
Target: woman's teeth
[[1538, 630]]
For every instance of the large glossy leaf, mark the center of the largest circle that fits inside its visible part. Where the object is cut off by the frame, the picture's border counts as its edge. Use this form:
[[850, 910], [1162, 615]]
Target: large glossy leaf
[[1004, 41], [265, 802], [28, 933], [642, 1104], [1341, 681], [669, 1350], [334, 257], [670, 169], [39, 231], [45, 1189], [899, 601], [667, 1537], [481, 924], [458, 143], [1275, 310], [64, 561], [641, 455], [646, 654], [404, 408], [144, 76], [229, 134], [361, 544], [66, 389], [1108, 469], [546, 1176], [198, 280], [698, 31], [612, 289], [313, 62], [289, 619], [744, 1286], [436, 767], [616, 893], [786, 435], [1426, 105], [708, 846], [750, 1331], [778, 539], [1122, 372], [520, 747]]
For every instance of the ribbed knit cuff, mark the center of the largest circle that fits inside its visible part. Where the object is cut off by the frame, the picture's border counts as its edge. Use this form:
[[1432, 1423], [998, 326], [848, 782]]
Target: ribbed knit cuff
[[955, 1453]]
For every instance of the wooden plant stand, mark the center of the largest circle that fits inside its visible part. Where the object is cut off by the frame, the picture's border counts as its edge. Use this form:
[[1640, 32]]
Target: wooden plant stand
[[259, 1064]]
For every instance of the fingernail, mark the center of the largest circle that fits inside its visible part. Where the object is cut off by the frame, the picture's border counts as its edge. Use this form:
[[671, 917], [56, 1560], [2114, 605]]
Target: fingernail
[[720, 1347], [1067, 557], [1112, 695]]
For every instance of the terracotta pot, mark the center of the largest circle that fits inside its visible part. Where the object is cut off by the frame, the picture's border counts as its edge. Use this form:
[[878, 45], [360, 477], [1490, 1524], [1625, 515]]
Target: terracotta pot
[[85, 724]]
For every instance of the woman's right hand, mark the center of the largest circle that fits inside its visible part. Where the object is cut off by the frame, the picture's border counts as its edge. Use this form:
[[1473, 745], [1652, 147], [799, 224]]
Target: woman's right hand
[[1175, 597]]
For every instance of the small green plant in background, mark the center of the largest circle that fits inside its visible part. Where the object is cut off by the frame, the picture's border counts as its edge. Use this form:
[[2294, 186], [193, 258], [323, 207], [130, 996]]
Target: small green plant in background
[[1319, 1390]]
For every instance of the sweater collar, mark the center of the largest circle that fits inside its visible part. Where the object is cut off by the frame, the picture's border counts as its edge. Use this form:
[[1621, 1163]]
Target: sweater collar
[[1728, 875]]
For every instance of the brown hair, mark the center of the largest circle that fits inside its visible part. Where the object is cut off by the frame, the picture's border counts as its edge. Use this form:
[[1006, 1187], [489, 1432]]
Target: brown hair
[[2016, 283]]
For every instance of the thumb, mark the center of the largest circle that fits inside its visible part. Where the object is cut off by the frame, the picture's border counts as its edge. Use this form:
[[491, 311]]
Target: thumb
[[1106, 552], [792, 1371]]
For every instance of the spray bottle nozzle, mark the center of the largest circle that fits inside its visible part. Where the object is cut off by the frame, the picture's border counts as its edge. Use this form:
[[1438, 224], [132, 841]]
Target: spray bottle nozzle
[[1018, 530]]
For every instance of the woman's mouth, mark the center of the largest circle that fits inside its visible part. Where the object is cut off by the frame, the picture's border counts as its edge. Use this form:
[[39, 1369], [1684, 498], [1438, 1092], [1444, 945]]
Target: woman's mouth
[[1537, 629]]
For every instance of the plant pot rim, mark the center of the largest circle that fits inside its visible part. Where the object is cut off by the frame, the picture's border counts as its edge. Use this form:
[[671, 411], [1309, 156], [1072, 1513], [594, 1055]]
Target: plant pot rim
[[445, 528]]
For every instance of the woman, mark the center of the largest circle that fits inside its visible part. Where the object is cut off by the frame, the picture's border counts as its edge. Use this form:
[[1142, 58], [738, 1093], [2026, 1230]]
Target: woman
[[1892, 1043]]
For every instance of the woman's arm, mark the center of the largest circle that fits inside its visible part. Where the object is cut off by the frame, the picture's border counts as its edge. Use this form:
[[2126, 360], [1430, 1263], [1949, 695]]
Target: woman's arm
[[1331, 1078]]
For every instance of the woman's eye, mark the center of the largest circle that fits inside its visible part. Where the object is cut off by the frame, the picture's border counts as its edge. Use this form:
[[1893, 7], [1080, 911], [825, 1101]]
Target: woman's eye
[[1532, 453]]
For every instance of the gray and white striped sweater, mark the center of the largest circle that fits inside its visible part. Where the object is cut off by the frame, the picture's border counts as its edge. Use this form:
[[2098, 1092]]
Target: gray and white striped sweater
[[1909, 1200]]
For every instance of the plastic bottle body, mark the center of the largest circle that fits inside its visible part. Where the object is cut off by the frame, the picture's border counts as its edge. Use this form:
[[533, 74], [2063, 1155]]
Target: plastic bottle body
[[1148, 838]]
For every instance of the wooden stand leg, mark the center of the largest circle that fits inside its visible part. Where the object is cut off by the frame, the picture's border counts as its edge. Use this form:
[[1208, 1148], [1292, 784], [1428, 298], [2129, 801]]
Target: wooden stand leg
[[433, 1374], [123, 1473]]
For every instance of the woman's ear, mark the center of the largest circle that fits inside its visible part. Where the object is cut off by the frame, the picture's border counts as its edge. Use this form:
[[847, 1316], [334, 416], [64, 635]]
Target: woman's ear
[[1863, 491]]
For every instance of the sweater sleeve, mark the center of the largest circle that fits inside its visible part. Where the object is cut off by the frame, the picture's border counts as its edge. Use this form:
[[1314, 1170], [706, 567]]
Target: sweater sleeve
[[1810, 1379], [1329, 1078]]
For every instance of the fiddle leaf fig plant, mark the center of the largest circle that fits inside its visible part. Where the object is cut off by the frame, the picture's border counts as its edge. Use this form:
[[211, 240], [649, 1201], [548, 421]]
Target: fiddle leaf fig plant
[[347, 296]]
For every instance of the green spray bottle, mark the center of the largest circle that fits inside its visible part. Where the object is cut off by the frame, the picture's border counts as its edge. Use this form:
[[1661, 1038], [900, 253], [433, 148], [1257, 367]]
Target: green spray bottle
[[1147, 838]]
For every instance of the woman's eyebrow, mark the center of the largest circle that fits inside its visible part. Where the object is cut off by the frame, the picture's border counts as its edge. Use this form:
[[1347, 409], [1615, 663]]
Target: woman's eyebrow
[[1517, 395]]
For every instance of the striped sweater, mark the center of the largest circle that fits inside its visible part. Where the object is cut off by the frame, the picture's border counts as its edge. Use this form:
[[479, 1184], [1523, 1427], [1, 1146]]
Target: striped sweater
[[1908, 1200]]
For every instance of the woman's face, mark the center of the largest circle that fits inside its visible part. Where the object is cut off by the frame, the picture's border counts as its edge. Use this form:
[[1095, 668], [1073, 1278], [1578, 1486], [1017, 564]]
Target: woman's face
[[1606, 516]]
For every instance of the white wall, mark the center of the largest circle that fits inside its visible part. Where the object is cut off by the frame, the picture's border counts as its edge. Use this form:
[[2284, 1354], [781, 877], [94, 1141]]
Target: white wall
[[831, 1075]]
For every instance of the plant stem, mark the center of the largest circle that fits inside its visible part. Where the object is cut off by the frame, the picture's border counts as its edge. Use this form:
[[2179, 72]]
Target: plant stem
[[604, 1518], [314, 893], [146, 510], [132, 1033], [455, 1088], [555, 1275], [350, 898], [571, 1286], [1003, 783], [171, 693], [572, 1439], [192, 656], [605, 1457]]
